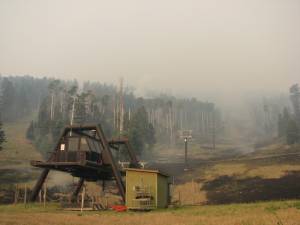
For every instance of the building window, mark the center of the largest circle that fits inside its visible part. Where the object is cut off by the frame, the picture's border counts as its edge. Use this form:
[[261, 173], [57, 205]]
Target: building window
[[62, 147]]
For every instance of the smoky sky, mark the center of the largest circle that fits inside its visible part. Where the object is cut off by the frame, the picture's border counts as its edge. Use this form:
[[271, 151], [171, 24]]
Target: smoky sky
[[199, 48]]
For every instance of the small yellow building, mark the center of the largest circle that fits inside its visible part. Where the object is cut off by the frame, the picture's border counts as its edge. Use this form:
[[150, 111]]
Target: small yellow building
[[146, 189]]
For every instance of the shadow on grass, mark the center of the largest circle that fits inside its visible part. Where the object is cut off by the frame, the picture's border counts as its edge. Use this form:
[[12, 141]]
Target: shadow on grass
[[13, 176], [230, 189], [9, 178]]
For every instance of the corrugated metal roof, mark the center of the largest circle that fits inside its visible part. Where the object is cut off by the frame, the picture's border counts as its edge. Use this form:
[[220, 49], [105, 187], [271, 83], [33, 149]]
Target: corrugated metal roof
[[148, 171]]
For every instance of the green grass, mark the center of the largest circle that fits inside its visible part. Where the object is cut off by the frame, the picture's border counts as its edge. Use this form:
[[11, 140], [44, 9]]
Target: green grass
[[16, 155], [261, 213], [17, 150], [230, 209], [15, 167], [29, 208]]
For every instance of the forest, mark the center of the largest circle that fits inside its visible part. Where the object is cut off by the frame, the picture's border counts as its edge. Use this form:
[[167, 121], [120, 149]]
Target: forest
[[50, 104]]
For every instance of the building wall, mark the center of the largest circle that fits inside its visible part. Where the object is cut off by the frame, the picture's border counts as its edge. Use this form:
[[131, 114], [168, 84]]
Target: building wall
[[162, 191], [135, 178]]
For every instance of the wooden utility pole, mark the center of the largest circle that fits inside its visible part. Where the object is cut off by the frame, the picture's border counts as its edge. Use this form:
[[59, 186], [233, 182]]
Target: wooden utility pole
[[52, 106], [193, 191], [171, 125], [121, 108], [186, 153], [45, 194], [82, 199], [25, 195], [129, 114], [213, 131], [40, 196], [186, 135], [16, 194], [115, 114]]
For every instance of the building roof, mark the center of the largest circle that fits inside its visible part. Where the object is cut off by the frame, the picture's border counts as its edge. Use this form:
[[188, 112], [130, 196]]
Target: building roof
[[148, 171]]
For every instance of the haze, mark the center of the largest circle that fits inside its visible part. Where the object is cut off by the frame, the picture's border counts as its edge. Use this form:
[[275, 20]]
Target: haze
[[200, 48]]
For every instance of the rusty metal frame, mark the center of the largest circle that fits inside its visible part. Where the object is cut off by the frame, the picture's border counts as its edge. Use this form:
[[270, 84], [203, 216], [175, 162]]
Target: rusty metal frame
[[78, 188], [123, 141], [106, 147]]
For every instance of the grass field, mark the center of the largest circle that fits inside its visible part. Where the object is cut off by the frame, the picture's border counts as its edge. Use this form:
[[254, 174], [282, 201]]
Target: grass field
[[226, 184], [230, 175], [17, 150], [271, 213], [16, 155]]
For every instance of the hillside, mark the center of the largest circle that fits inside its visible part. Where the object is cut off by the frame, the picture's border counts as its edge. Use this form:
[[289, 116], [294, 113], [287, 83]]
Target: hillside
[[15, 160], [227, 175], [16, 155]]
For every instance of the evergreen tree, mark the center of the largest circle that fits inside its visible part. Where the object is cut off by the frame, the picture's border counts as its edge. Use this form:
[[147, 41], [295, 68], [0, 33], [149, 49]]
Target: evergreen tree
[[295, 99], [80, 114], [150, 138], [137, 129], [283, 120], [136, 139], [30, 132], [141, 133], [8, 98], [2, 136], [292, 132], [146, 120], [104, 103]]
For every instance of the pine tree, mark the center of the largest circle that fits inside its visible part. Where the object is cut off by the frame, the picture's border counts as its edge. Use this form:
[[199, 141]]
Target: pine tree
[[2, 136], [30, 132], [292, 132], [295, 99], [280, 126], [137, 130], [8, 99], [151, 140], [141, 133]]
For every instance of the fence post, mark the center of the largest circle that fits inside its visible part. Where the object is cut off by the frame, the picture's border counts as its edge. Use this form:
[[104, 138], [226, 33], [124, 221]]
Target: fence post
[[16, 194], [25, 195], [106, 202], [194, 194], [82, 199], [45, 194], [40, 196], [93, 202]]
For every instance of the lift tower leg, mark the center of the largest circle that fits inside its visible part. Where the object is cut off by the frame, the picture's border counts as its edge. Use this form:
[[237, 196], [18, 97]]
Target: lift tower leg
[[39, 185], [78, 188]]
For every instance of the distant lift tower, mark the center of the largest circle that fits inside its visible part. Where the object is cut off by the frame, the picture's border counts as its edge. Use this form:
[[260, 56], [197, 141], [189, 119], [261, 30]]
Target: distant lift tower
[[186, 135], [84, 152]]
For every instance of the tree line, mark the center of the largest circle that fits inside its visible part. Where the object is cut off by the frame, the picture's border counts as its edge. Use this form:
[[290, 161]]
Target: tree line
[[146, 121], [20, 97], [289, 120]]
